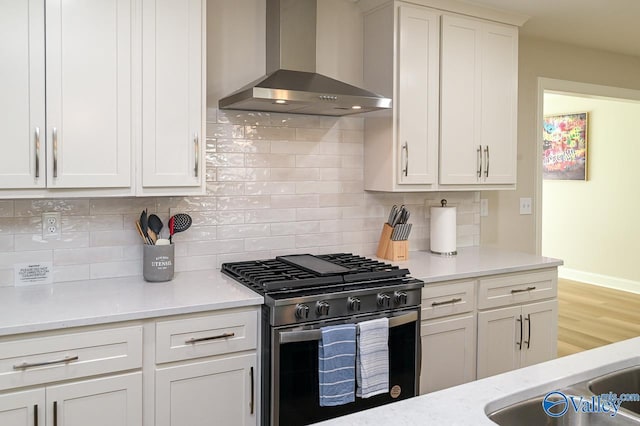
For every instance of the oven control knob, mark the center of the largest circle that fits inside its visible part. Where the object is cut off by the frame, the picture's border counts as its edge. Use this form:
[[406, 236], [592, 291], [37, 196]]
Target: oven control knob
[[384, 300], [302, 311], [400, 297], [354, 304], [322, 308]]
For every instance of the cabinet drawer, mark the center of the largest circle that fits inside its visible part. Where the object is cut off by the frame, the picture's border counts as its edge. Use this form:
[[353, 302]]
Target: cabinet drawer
[[204, 336], [447, 299], [52, 358], [517, 288]]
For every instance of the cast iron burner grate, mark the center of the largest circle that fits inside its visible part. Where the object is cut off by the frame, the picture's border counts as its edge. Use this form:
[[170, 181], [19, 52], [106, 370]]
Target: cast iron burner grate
[[274, 275]]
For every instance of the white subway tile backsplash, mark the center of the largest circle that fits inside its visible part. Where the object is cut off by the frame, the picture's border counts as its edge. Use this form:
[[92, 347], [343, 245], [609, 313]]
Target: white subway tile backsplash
[[276, 184], [247, 202], [72, 273], [270, 160], [242, 145], [37, 207], [269, 243], [263, 188], [87, 256], [6, 208], [270, 133], [33, 242]]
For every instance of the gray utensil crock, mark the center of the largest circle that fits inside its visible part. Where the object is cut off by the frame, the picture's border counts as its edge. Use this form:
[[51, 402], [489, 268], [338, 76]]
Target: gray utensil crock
[[158, 263]]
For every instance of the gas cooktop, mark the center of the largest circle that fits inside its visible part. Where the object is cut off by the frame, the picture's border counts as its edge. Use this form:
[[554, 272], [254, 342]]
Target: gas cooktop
[[305, 273]]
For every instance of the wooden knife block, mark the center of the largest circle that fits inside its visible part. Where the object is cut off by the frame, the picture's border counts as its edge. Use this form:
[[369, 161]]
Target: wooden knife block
[[391, 250]]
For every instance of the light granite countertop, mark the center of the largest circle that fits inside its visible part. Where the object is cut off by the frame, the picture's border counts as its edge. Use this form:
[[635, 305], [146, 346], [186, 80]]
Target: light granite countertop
[[468, 404], [47, 307], [472, 262], [61, 305]]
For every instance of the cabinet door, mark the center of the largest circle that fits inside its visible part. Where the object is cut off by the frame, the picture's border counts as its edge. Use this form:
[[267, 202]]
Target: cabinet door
[[209, 392], [499, 337], [88, 63], [448, 353], [22, 118], [499, 103], [540, 341], [417, 89], [172, 139], [460, 103], [22, 408], [110, 401]]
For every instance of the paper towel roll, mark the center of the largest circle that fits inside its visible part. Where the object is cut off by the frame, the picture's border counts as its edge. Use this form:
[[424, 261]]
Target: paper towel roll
[[443, 230]]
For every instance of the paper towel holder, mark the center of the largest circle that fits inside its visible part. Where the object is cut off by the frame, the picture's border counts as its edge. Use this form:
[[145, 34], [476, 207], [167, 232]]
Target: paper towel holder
[[443, 203]]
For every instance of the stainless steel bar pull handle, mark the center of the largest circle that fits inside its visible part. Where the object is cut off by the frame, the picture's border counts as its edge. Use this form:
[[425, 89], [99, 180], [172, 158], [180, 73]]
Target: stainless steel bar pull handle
[[520, 342], [252, 402], [55, 152], [405, 148], [37, 152], [486, 161], [26, 365], [204, 339], [522, 290], [479, 161], [528, 320], [196, 144], [447, 302]]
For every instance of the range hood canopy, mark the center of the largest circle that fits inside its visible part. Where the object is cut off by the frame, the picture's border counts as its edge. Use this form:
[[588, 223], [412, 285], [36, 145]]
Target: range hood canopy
[[291, 84]]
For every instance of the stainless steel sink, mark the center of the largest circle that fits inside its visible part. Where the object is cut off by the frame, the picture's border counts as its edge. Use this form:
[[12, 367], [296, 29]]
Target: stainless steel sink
[[531, 413], [619, 382]]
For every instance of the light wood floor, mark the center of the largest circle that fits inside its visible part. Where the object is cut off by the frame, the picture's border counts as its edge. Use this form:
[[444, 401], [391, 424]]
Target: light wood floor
[[592, 316]]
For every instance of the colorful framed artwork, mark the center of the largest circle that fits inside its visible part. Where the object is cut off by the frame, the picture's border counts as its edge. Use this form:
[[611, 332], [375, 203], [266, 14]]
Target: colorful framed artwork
[[564, 149]]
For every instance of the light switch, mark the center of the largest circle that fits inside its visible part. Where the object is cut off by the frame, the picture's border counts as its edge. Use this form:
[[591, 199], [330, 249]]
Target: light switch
[[525, 205]]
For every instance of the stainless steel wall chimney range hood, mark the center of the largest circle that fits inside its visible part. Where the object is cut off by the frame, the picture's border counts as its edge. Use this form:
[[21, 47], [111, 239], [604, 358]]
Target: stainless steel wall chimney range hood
[[291, 84]]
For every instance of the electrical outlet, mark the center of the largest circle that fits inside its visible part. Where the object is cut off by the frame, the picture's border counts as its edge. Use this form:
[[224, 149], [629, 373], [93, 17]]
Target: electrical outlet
[[484, 207], [525, 205], [51, 225]]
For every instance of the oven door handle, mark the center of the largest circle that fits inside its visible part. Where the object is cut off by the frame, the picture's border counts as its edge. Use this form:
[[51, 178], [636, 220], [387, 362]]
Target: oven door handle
[[316, 334]]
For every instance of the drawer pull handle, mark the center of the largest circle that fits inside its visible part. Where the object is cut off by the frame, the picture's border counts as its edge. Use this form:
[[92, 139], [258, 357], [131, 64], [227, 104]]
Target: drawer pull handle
[[522, 290], [528, 341], [35, 415], [26, 365], [447, 302], [204, 339], [251, 404], [519, 320], [55, 413]]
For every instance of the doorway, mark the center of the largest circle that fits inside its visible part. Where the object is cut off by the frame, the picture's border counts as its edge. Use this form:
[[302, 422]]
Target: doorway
[[592, 224]]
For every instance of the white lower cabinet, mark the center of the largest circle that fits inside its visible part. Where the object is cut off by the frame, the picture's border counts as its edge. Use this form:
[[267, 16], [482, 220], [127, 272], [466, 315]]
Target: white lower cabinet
[[22, 408], [206, 369], [109, 401], [218, 391], [517, 336], [448, 352], [488, 325]]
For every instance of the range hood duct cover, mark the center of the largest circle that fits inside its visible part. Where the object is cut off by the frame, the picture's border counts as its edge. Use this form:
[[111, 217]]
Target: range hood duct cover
[[292, 85]]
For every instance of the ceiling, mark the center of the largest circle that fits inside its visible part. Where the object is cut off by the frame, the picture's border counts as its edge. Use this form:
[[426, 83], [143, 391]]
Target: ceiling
[[612, 25]]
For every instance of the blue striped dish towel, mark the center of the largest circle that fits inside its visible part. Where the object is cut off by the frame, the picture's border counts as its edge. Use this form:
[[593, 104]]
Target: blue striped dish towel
[[336, 364], [372, 361]]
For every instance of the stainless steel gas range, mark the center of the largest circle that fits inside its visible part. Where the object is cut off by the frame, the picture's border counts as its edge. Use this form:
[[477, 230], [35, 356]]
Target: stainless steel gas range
[[304, 293]]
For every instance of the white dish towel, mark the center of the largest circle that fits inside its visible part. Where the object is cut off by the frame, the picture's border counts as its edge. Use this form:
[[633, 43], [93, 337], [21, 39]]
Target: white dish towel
[[372, 359]]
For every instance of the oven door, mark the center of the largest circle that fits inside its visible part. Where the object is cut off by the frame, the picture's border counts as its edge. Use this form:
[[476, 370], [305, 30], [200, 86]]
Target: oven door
[[295, 398]]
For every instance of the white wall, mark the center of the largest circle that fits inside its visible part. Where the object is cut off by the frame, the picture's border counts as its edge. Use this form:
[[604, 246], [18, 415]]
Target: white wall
[[593, 225], [505, 227]]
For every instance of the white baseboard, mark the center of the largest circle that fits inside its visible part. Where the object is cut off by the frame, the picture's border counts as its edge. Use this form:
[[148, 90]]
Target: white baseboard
[[598, 279]]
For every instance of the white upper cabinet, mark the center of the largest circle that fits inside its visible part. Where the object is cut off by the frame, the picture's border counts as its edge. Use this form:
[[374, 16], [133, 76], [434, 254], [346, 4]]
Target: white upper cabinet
[[172, 96], [102, 98], [22, 83], [401, 149], [478, 107], [88, 93]]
